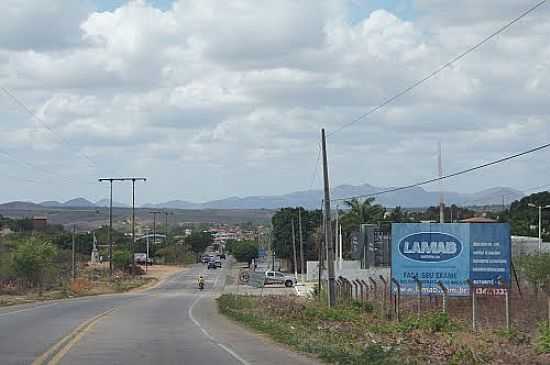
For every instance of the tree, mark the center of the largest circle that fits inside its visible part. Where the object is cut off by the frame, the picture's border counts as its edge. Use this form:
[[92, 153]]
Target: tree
[[397, 215], [229, 244], [245, 251], [121, 259], [361, 212], [199, 241], [536, 269], [33, 260], [282, 231]]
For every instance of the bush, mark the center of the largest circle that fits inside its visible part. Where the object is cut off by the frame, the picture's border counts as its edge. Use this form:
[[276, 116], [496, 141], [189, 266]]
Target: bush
[[121, 259], [33, 260], [245, 251], [543, 338], [536, 269]]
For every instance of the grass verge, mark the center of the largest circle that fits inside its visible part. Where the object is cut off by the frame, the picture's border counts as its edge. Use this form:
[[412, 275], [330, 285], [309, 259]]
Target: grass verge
[[356, 334]]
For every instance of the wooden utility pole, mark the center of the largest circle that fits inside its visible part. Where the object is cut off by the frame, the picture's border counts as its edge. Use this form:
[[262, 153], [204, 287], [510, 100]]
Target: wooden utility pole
[[74, 252], [132, 244], [328, 239], [302, 263], [294, 250]]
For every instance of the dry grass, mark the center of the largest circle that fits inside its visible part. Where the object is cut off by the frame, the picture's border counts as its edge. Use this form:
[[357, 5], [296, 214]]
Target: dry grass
[[92, 281]]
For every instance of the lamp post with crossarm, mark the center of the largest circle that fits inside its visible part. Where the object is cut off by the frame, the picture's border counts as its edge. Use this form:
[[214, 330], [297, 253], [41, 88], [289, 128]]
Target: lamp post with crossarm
[[540, 207]]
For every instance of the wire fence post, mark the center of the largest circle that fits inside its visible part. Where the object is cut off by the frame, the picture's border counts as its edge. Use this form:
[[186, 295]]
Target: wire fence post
[[349, 291], [356, 290], [361, 294], [507, 302], [366, 285], [418, 296], [397, 298], [473, 295], [445, 292], [373, 282], [385, 296]]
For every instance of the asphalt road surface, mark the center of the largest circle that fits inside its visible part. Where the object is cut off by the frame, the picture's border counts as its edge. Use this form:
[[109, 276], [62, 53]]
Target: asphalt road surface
[[174, 323]]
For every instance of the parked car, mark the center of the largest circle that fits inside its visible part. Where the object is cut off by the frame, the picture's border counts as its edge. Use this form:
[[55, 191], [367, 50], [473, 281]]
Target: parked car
[[141, 259], [277, 277], [212, 265]]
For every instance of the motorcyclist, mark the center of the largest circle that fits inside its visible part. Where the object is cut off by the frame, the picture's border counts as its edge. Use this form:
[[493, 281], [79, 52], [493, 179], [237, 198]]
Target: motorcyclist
[[201, 281]]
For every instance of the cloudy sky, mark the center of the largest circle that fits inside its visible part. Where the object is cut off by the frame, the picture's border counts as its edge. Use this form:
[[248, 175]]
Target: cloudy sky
[[211, 99]]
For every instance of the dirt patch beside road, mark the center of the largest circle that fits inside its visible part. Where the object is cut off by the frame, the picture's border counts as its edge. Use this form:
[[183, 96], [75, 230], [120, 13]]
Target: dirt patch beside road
[[93, 281]]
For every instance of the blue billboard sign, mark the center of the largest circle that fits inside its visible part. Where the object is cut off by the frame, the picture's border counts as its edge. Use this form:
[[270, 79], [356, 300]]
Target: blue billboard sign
[[451, 253]]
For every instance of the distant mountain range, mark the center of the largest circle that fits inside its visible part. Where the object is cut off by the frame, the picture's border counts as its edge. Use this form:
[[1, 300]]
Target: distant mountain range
[[311, 199], [81, 203]]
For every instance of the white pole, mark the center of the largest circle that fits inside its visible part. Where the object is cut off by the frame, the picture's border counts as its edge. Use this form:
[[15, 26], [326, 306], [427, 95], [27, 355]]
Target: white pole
[[147, 258], [340, 248], [540, 230]]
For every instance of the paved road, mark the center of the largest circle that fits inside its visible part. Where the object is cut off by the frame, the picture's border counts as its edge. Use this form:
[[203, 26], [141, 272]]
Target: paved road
[[174, 323]]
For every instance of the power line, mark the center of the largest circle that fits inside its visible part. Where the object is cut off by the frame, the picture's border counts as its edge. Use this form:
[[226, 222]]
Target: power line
[[316, 167], [462, 172], [34, 167], [438, 70], [42, 123]]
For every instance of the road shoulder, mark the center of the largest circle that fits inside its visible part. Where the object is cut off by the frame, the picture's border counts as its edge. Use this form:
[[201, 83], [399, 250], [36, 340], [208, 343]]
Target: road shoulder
[[254, 348]]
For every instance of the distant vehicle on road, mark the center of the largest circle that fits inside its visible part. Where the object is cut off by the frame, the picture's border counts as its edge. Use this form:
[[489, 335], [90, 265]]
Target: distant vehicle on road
[[277, 277], [218, 263], [141, 259], [212, 265], [222, 256], [205, 259]]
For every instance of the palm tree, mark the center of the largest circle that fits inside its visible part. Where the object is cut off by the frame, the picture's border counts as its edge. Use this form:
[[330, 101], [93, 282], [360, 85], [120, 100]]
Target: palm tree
[[360, 212]]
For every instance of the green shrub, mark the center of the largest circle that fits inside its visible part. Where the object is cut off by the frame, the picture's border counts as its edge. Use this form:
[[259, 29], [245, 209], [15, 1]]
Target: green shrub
[[33, 260], [121, 259], [542, 342]]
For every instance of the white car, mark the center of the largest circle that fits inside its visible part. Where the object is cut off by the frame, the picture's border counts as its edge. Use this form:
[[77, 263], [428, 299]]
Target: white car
[[277, 277]]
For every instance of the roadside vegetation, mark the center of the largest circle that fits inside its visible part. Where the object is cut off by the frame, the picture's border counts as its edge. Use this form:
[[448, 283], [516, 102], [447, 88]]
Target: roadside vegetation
[[243, 251], [356, 333], [36, 263]]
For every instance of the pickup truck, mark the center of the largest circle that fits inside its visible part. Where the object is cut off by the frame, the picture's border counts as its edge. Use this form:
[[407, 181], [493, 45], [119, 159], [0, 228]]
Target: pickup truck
[[276, 277]]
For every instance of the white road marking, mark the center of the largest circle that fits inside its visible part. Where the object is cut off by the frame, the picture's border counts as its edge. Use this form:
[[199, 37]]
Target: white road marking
[[28, 309], [205, 332]]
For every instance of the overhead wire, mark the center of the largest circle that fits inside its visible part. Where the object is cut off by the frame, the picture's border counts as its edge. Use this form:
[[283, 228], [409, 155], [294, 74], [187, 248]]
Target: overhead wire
[[34, 168], [43, 124], [454, 174], [438, 70]]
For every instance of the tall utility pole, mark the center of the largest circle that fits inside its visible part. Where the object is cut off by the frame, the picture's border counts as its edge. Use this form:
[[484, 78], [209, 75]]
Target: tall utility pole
[[146, 230], [154, 213], [294, 250], [440, 170], [133, 180], [320, 266], [328, 239], [166, 214], [302, 263], [110, 234], [74, 252]]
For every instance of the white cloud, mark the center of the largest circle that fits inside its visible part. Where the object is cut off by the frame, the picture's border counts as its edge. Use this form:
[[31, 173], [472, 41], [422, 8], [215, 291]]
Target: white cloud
[[241, 89]]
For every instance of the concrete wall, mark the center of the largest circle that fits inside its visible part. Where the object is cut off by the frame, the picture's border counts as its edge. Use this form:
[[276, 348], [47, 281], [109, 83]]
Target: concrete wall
[[349, 269]]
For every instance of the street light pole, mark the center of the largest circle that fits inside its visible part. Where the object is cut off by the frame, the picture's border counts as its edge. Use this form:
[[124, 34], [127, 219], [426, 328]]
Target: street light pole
[[154, 213], [540, 208]]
